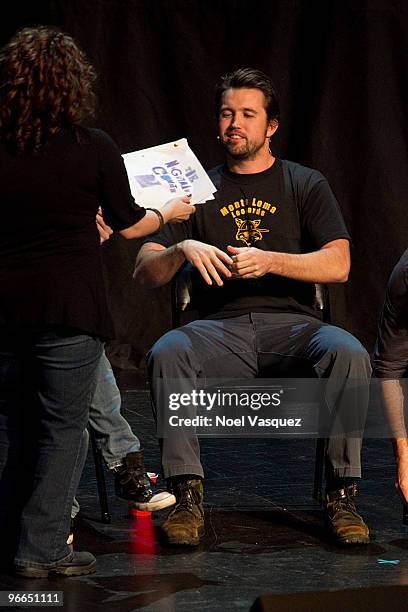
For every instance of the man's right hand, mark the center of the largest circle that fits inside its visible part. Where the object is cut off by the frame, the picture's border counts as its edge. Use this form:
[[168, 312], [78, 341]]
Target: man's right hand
[[210, 261]]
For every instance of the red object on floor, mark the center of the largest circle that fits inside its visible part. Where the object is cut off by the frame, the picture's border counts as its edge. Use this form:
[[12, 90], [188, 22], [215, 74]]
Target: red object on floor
[[142, 540], [137, 513]]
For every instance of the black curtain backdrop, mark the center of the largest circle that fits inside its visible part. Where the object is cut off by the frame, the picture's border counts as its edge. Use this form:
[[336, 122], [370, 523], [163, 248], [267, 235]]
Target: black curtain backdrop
[[341, 71]]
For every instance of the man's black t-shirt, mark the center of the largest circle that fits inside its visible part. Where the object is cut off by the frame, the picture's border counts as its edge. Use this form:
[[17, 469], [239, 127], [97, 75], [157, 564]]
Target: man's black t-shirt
[[287, 208]]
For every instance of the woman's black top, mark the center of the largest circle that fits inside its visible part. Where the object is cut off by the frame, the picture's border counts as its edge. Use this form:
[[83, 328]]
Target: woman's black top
[[50, 254]]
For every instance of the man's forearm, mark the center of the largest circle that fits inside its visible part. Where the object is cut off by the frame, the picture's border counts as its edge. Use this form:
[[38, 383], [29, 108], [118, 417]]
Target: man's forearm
[[330, 264], [155, 268], [323, 266]]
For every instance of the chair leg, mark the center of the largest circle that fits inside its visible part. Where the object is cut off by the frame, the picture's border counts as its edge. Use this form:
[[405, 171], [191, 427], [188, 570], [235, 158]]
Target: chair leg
[[319, 470], [100, 478]]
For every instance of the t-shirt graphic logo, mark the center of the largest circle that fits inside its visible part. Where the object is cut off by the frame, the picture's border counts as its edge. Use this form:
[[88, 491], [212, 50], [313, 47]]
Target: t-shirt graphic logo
[[249, 231]]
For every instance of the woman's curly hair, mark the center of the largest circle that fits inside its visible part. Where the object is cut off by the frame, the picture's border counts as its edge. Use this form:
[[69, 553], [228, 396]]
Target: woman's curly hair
[[46, 84]]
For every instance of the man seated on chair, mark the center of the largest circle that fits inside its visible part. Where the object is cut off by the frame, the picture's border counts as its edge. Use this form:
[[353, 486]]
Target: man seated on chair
[[272, 231]]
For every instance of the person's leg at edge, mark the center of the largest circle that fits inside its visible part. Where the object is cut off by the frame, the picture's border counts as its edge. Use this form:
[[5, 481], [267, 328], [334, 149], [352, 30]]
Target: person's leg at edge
[[112, 432]]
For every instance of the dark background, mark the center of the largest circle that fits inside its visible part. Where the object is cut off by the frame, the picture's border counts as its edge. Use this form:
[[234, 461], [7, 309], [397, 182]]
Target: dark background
[[341, 71]]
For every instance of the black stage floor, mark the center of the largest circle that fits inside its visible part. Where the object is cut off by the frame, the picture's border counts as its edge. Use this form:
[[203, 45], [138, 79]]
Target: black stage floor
[[264, 537]]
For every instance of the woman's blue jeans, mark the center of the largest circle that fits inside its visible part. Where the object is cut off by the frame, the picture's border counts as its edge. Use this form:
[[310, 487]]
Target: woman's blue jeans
[[47, 381]]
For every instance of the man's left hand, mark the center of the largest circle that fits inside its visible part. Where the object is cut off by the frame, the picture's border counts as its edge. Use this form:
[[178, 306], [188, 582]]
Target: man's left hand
[[249, 262]]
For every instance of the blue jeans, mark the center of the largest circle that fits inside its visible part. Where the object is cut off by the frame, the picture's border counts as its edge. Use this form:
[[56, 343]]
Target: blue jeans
[[47, 381], [112, 431]]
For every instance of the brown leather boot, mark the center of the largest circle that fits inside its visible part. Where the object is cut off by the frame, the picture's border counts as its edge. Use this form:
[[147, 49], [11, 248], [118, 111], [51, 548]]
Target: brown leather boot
[[185, 523], [343, 521]]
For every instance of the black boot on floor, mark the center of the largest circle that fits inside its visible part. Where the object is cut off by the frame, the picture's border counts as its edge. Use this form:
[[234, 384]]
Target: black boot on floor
[[133, 485], [80, 564]]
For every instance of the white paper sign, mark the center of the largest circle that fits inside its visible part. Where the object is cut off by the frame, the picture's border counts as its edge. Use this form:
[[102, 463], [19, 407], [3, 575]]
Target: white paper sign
[[167, 171]]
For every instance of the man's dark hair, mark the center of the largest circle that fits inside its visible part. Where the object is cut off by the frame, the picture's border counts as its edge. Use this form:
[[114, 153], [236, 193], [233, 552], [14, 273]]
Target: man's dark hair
[[249, 78]]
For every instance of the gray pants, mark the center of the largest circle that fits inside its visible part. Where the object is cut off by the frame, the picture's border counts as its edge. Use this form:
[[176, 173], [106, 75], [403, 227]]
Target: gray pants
[[260, 344]]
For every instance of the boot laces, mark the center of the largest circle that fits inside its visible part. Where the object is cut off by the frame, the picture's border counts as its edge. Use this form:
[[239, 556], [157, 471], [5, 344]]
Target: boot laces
[[345, 503], [186, 497]]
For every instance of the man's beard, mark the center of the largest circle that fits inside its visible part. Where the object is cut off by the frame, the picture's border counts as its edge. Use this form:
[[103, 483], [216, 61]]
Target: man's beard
[[246, 150]]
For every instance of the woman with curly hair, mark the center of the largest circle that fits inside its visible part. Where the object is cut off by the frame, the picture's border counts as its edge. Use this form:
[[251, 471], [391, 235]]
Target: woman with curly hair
[[54, 174]]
